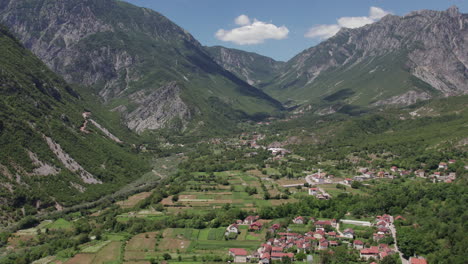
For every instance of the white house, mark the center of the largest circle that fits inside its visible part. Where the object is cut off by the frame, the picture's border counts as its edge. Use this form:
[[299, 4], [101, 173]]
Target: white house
[[348, 233], [239, 255]]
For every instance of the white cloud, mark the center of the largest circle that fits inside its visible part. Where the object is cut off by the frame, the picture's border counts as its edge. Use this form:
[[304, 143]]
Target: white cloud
[[328, 31], [354, 22], [242, 20], [323, 31], [251, 33], [377, 13]]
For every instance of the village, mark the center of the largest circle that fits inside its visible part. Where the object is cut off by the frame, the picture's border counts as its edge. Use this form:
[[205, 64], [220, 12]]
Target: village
[[324, 236]]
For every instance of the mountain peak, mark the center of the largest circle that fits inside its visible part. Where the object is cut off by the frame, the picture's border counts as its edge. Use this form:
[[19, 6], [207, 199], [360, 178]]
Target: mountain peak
[[453, 11]]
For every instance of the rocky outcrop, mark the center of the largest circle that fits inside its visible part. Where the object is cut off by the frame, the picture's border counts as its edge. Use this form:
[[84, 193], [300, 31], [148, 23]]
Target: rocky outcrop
[[70, 163], [157, 108], [105, 131], [42, 168], [405, 99]]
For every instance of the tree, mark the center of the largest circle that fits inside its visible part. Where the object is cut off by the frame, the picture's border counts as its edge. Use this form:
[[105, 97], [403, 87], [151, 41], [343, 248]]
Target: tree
[[388, 260], [167, 256], [175, 198], [286, 260]]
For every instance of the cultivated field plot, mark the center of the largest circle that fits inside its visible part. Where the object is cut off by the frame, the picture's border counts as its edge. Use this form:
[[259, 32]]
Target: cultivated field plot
[[133, 200], [105, 252], [205, 193], [188, 243]]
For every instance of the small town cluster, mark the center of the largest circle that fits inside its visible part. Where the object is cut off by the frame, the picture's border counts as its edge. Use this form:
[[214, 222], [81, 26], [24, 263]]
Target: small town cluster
[[325, 236]]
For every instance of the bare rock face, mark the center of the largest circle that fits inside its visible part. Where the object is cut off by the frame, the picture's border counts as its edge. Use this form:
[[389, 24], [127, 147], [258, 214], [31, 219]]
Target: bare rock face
[[157, 108], [405, 99]]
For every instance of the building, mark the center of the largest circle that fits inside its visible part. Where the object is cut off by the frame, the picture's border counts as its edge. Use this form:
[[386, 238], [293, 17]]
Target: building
[[348, 233], [251, 219], [368, 253], [239, 255], [419, 260], [299, 220], [358, 244], [255, 226], [443, 166], [313, 191], [232, 229]]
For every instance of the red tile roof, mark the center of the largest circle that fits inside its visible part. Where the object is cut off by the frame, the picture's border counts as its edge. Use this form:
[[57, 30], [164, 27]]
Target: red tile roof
[[418, 261], [238, 251], [358, 242], [370, 251]]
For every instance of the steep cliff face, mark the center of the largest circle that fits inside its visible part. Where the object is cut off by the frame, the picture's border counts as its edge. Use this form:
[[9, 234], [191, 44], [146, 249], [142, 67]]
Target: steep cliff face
[[417, 56], [157, 109], [250, 67], [120, 50]]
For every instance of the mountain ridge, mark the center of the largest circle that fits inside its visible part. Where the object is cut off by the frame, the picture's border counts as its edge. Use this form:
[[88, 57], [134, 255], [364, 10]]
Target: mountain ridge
[[119, 50], [406, 41]]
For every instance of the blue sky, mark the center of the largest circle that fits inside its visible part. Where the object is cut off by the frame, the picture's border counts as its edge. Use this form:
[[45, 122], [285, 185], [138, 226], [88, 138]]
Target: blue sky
[[281, 25]]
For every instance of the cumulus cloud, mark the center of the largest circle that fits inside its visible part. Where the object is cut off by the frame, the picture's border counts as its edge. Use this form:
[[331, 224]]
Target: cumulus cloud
[[242, 20], [323, 31], [251, 33], [328, 31]]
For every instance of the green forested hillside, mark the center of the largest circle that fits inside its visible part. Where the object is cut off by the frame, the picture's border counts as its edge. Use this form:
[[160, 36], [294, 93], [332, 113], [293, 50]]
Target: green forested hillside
[[34, 104]]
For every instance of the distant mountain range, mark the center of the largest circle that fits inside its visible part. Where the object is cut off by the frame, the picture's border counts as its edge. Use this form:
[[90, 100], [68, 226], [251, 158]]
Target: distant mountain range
[[140, 63]]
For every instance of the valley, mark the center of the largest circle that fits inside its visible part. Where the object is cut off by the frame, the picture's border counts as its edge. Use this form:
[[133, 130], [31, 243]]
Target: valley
[[124, 140]]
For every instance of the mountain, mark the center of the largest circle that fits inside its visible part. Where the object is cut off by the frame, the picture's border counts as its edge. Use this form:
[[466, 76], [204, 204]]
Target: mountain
[[250, 67], [141, 64], [53, 155], [398, 60]]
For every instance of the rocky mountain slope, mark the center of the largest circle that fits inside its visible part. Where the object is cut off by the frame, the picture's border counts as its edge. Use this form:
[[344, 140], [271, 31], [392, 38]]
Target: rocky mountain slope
[[251, 67], [46, 160], [398, 60], [126, 53]]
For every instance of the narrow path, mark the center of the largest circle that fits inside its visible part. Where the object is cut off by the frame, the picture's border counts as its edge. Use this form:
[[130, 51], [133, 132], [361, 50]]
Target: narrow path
[[393, 230]]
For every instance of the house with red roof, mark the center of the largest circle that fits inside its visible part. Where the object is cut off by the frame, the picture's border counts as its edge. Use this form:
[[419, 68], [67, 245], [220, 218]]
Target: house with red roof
[[358, 244], [348, 233], [443, 166], [265, 258], [313, 191], [274, 228], [333, 243], [279, 256], [298, 220], [251, 219], [377, 237], [277, 249], [255, 226], [239, 254], [320, 225], [331, 234], [367, 253], [419, 260]]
